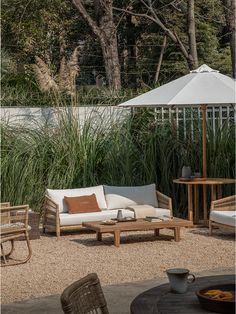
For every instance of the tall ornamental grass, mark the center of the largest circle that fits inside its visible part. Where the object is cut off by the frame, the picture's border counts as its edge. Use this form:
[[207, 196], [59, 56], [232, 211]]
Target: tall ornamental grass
[[133, 152]]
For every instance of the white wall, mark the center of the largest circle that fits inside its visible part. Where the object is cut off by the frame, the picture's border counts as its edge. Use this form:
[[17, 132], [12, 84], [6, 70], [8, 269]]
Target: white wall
[[38, 116]]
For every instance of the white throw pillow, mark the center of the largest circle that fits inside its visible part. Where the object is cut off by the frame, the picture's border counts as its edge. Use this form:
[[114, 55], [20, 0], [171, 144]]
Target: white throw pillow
[[58, 196], [125, 196]]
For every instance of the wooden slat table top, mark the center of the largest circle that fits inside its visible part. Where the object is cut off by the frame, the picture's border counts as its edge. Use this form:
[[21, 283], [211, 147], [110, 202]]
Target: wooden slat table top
[[205, 181], [160, 300], [139, 224]]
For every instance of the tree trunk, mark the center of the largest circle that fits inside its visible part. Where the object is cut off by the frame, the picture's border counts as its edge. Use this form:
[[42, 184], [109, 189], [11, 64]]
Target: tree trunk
[[105, 30], [111, 61], [132, 50], [193, 58], [230, 17], [163, 47]]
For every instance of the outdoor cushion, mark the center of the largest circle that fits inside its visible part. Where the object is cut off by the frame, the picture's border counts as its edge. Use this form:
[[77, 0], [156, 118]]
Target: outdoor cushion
[[226, 217], [141, 211], [58, 196], [67, 219], [82, 204], [123, 197], [162, 212]]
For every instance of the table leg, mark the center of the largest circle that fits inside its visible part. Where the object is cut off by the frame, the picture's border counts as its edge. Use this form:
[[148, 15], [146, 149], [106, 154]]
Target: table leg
[[99, 236], [117, 238], [190, 203], [205, 203], [213, 192], [156, 232], [196, 204], [219, 191], [177, 234]]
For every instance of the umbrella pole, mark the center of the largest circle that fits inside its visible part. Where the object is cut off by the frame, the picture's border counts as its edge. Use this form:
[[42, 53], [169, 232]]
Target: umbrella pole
[[204, 157], [204, 162]]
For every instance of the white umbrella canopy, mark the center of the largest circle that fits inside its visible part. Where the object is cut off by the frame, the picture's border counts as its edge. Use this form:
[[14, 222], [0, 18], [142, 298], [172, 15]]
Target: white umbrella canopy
[[201, 87]]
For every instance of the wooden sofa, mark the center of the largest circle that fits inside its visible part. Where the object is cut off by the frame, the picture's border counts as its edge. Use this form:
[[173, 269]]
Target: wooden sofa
[[223, 213], [53, 216]]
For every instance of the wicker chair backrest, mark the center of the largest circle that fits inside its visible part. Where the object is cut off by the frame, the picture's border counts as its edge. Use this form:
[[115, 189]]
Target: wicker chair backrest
[[84, 296], [13, 219]]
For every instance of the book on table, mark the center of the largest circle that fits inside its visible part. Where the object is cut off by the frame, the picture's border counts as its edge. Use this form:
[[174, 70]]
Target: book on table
[[157, 218]]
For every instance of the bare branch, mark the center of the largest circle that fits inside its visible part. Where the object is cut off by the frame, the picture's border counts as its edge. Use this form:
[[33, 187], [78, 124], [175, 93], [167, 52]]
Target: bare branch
[[146, 16], [160, 59], [87, 17], [183, 49], [154, 18]]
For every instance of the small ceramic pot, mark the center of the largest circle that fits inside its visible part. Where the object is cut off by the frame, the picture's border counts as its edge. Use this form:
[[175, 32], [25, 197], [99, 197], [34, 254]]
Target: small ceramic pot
[[119, 214]]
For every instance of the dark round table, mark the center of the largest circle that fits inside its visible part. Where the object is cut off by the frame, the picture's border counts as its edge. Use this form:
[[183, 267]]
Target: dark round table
[[161, 300]]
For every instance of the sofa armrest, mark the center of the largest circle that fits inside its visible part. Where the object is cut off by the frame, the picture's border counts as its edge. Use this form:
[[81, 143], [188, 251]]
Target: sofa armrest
[[164, 201], [226, 203], [51, 217]]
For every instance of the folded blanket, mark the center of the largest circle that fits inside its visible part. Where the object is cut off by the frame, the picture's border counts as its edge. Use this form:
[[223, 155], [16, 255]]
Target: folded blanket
[[141, 211]]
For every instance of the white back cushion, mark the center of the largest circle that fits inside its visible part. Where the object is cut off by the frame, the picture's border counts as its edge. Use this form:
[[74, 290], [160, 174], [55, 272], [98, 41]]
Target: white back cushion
[[122, 197], [58, 196]]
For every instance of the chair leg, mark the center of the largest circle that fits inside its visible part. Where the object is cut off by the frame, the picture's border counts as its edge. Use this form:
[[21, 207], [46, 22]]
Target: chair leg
[[6, 255], [21, 261], [29, 247], [210, 228], [3, 254], [12, 249], [58, 232]]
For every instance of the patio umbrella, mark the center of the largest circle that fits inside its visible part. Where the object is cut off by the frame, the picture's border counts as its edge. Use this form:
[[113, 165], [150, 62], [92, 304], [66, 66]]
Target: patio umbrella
[[201, 87]]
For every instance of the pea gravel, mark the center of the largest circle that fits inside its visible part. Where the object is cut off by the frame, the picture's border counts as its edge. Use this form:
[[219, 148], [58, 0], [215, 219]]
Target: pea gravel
[[55, 263]]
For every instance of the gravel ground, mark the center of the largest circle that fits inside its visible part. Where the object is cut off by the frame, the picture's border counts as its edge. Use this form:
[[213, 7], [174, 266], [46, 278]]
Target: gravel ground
[[57, 263]]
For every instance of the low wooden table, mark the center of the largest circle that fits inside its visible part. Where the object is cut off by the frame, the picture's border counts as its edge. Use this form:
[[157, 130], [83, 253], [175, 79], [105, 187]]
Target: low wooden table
[[161, 300], [138, 225]]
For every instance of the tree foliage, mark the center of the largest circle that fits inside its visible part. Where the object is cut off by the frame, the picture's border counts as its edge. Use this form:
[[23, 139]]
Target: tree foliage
[[51, 30]]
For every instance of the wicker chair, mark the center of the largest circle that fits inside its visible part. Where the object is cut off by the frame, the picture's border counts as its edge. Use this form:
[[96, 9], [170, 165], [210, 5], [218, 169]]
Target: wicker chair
[[14, 225], [84, 296], [222, 213]]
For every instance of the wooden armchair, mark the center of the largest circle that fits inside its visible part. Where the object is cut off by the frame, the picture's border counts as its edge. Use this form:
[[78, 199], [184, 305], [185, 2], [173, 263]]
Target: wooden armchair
[[13, 225], [84, 296], [222, 213]]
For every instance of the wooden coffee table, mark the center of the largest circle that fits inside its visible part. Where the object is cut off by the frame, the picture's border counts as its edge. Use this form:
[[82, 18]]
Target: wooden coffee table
[[138, 225]]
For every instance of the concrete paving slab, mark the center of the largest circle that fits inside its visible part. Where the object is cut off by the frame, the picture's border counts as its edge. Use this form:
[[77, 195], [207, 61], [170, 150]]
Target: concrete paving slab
[[119, 297]]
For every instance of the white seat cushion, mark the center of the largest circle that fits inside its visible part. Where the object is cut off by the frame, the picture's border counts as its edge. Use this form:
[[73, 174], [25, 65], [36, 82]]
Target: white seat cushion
[[163, 212], [226, 217], [142, 211], [58, 196], [123, 197], [75, 219]]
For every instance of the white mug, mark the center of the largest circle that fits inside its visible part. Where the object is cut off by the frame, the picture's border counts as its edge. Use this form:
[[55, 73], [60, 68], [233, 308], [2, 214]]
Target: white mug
[[178, 278]]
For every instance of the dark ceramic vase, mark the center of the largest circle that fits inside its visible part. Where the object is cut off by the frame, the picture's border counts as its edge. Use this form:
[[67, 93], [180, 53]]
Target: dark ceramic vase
[[186, 172]]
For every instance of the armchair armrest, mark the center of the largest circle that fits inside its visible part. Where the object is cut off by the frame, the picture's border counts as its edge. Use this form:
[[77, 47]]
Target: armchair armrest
[[5, 204], [226, 203], [164, 201], [51, 218]]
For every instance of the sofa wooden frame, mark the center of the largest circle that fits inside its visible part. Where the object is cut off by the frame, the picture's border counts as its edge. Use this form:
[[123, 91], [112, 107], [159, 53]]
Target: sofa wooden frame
[[51, 214], [223, 204]]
